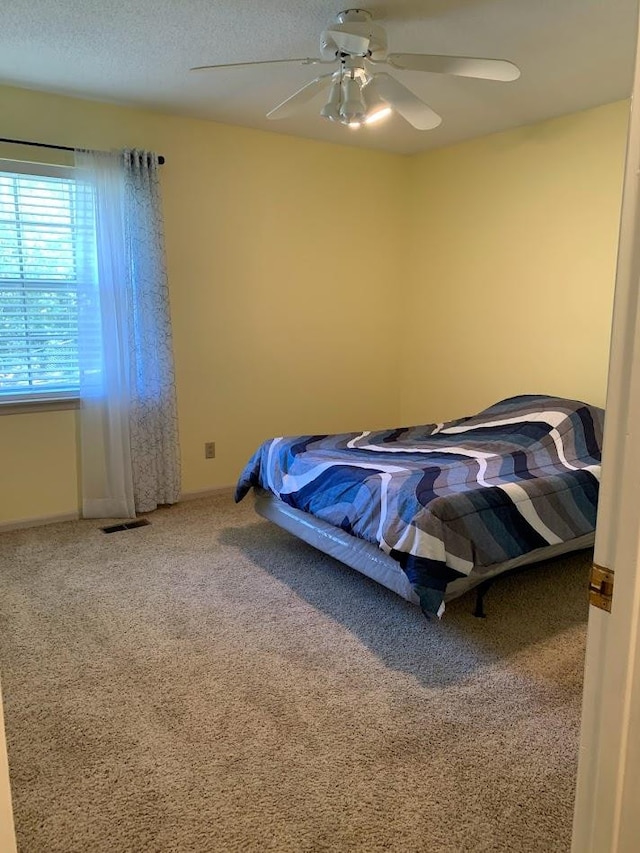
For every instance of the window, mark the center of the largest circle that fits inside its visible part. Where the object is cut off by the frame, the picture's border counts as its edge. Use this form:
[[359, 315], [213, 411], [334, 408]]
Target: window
[[41, 267]]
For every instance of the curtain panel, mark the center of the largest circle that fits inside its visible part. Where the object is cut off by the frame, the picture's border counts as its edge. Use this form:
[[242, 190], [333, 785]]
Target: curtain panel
[[128, 420]]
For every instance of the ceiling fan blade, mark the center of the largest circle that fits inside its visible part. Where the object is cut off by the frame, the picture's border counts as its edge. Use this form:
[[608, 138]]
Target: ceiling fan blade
[[305, 61], [306, 93], [460, 66], [403, 101]]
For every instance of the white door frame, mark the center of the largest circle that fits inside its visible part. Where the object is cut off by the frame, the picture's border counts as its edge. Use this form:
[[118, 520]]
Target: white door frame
[[7, 830], [607, 809]]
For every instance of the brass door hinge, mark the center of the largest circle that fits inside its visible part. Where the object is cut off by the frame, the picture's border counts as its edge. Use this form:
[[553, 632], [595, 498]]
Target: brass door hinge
[[601, 587]]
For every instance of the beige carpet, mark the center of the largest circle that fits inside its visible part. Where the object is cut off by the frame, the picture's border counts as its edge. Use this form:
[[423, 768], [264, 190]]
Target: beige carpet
[[210, 683]]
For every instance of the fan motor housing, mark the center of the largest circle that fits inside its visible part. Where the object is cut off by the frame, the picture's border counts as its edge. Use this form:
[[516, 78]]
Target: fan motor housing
[[353, 33]]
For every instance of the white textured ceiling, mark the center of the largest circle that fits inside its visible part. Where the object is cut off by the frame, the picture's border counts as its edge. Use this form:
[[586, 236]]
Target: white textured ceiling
[[573, 54]]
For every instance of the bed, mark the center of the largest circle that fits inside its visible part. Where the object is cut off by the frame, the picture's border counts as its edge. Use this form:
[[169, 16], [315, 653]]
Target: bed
[[433, 510]]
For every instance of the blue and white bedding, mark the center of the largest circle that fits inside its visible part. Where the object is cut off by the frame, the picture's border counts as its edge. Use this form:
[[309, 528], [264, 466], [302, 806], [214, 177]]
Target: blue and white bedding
[[447, 499]]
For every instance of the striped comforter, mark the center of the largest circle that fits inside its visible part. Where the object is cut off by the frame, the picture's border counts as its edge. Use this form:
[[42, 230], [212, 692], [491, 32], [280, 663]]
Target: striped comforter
[[445, 499]]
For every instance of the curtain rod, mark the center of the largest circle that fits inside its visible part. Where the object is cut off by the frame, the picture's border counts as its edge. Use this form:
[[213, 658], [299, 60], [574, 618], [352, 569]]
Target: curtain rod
[[46, 145]]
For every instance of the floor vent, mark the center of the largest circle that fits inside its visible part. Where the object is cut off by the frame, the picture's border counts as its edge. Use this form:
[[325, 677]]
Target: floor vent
[[128, 525]]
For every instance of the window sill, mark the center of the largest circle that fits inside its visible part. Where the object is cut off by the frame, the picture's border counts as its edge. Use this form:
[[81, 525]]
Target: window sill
[[32, 406]]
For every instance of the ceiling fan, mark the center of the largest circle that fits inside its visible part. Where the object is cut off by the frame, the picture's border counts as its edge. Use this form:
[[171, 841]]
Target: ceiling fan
[[359, 93]]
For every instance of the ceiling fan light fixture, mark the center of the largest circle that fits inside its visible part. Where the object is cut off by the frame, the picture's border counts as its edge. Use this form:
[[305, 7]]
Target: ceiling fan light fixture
[[353, 107], [331, 109]]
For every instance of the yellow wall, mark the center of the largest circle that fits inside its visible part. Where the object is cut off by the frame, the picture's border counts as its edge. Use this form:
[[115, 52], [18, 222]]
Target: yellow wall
[[513, 261], [38, 465], [324, 288], [278, 305]]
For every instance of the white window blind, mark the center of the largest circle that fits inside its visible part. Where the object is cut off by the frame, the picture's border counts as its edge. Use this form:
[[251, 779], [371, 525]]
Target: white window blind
[[43, 259]]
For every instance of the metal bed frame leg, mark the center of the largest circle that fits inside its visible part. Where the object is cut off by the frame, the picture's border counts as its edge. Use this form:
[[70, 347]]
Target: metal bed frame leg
[[483, 588]]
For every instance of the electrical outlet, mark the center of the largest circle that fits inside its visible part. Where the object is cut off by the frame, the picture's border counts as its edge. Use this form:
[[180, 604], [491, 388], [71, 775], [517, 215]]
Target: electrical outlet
[[209, 450]]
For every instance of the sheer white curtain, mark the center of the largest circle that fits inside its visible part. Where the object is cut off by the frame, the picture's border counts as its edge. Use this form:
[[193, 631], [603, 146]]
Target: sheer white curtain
[[128, 423]]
